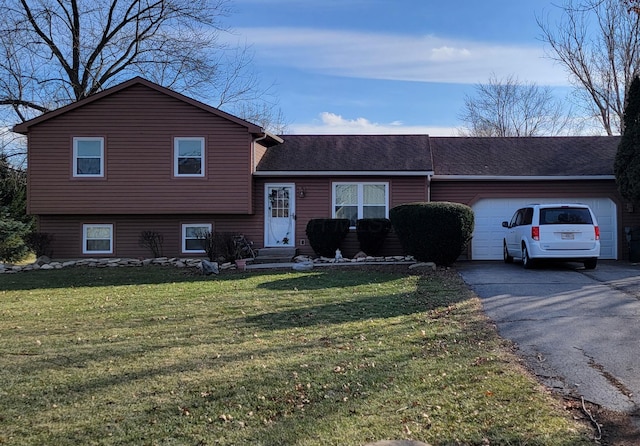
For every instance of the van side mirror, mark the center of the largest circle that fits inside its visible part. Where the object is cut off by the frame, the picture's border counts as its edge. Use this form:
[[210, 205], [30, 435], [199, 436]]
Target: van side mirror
[[505, 224]]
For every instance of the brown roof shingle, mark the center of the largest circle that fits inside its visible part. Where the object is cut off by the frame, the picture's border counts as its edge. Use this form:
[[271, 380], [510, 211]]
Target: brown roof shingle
[[349, 153], [570, 156], [533, 156]]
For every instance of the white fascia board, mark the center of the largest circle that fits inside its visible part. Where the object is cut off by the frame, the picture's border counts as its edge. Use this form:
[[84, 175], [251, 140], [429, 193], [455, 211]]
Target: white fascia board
[[521, 178], [342, 173]]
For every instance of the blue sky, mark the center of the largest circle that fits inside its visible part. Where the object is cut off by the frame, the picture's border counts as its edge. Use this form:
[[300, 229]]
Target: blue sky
[[390, 66]]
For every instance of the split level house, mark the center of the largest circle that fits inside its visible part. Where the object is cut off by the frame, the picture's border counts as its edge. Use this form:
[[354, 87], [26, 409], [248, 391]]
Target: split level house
[[140, 157]]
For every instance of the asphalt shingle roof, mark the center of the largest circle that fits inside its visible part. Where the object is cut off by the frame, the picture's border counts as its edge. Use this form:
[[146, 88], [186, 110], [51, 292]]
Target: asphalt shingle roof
[[351, 153], [463, 156], [534, 156]]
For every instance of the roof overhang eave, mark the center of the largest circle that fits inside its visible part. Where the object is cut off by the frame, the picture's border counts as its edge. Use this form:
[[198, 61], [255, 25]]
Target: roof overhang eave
[[343, 173], [522, 177]]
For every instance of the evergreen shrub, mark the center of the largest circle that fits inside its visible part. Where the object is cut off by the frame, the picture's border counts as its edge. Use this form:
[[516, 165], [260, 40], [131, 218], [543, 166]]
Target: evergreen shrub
[[371, 234], [39, 243], [326, 234], [433, 232]]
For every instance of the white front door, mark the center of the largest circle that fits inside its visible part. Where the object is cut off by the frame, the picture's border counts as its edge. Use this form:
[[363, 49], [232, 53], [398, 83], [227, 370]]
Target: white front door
[[279, 212]]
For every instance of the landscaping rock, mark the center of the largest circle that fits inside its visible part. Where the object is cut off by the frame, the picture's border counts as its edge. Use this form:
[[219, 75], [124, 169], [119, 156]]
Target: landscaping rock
[[303, 266], [305, 263], [208, 267], [42, 260], [423, 265]]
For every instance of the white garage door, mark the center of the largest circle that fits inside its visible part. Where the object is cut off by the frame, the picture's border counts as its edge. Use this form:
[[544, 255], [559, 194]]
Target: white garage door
[[491, 212]]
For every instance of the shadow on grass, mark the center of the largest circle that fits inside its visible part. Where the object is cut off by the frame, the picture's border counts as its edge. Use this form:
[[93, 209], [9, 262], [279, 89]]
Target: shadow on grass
[[333, 278], [426, 297], [77, 277]]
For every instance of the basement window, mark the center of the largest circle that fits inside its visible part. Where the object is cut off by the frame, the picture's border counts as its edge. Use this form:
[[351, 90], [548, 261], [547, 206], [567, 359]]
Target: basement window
[[97, 239]]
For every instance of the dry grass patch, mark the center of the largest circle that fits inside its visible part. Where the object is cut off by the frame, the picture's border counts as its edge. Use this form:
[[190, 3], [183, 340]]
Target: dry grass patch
[[152, 356]]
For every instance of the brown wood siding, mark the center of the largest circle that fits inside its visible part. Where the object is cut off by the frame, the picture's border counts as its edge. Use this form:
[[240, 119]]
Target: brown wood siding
[[258, 152], [317, 204], [139, 125], [67, 230], [469, 192]]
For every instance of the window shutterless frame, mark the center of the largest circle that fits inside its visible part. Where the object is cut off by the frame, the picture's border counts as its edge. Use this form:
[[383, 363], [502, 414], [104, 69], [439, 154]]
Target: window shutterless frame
[[188, 157], [192, 237], [97, 238], [355, 201], [88, 157]]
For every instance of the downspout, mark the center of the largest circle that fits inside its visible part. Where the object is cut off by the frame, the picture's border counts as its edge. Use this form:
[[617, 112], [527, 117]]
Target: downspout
[[429, 176]]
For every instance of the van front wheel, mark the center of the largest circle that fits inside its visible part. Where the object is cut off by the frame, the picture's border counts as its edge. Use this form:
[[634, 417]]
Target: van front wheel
[[505, 253], [526, 260]]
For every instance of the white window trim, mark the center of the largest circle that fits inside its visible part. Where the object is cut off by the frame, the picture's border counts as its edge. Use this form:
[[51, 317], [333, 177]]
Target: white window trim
[[360, 196], [184, 237], [176, 146], [77, 139], [85, 228]]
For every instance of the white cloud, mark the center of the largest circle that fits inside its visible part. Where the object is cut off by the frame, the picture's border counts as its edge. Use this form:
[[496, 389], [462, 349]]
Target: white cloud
[[334, 124], [447, 53], [400, 57]]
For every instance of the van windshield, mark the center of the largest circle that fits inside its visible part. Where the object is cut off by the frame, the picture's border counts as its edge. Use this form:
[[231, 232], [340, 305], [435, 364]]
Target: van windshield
[[562, 216]]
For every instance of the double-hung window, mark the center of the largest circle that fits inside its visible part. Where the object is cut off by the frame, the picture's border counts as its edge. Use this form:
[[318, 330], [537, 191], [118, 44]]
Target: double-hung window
[[355, 201], [188, 157], [193, 236], [88, 157], [97, 239]]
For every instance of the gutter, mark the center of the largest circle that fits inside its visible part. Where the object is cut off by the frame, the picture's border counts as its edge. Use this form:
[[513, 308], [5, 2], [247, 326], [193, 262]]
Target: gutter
[[521, 177], [343, 173], [264, 136]]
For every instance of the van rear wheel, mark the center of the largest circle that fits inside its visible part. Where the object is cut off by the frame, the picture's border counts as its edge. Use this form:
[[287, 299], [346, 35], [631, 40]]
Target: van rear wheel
[[590, 263]]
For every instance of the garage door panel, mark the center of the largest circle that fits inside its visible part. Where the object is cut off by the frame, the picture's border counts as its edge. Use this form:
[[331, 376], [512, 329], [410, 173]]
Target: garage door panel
[[491, 212]]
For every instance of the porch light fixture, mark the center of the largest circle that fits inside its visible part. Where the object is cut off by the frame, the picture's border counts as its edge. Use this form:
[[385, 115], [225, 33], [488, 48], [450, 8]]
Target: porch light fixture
[[302, 192]]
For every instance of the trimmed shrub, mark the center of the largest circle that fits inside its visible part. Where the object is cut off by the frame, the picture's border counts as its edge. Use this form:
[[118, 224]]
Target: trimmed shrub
[[326, 234], [433, 232], [371, 234], [40, 243]]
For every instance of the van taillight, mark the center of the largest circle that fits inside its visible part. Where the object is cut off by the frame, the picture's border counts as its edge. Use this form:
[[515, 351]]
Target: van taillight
[[597, 229], [535, 232]]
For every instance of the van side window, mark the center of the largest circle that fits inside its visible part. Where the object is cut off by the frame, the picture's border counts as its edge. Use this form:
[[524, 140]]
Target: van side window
[[528, 216], [514, 219]]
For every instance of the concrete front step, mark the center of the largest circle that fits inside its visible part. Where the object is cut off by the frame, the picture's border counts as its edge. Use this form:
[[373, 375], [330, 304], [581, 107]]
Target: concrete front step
[[275, 255]]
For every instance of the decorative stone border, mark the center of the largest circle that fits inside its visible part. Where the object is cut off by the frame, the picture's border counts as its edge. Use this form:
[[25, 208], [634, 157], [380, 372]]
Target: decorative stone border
[[357, 259], [44, 263]]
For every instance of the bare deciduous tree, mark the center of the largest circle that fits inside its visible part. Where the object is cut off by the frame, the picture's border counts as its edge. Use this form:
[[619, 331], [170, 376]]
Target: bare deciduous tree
[[54, 52], [632, 5], [508, 107], [598, 42]]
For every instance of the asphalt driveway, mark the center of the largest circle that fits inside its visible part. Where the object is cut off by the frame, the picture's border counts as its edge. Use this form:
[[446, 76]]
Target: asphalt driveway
[[578, 330]]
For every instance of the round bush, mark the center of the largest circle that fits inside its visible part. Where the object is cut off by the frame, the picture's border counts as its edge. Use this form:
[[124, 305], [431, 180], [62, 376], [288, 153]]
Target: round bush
[[371, 234], [433, 232], [326, 234]]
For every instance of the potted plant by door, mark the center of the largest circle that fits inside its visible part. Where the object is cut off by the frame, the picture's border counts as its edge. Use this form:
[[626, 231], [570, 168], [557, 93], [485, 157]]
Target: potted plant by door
[[242, 252], [241, 264]]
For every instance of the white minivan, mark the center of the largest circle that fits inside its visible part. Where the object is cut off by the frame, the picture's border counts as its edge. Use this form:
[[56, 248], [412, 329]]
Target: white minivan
[[553, 231]]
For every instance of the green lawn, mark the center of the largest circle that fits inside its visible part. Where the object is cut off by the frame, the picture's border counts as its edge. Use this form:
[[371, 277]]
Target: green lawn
[[161, 356]]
